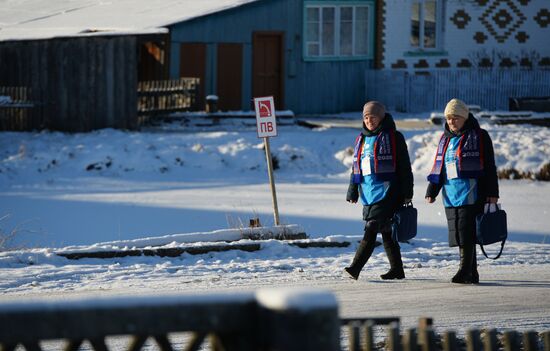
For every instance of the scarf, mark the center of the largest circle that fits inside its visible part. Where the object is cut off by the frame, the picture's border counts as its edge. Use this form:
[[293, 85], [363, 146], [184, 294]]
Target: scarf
[[384, 156], [469, 154]]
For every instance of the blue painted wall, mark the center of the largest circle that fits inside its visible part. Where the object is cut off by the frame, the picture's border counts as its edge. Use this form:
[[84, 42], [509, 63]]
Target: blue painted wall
[[310, 87]]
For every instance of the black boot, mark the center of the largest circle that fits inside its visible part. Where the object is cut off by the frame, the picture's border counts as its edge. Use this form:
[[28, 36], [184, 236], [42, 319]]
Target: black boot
[[394, 256], [364, 251], [475, 273], [362, 255], [464, 274]]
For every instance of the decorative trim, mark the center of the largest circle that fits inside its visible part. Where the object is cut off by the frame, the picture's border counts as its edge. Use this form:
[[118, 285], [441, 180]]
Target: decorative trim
[[543, 18], [464, 63], [506, 63], [485, 62], [525, 62], [399, 64], [421, 64], [461, 19], [480, 37], [443, 63], [522, 37], [506, 23]]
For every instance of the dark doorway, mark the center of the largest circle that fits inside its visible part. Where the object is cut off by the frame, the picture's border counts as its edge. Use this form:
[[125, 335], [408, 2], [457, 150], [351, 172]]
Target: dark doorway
[[230, 70], [267, 66], [193, 64], [153, 60]]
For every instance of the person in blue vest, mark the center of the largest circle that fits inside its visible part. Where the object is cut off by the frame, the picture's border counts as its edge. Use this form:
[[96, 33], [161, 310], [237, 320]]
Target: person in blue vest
[[464, 168], [382, 178]]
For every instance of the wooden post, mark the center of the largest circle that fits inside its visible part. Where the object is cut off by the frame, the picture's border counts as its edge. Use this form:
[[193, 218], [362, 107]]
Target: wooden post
[[354, 337], [449, 341], [271, 181], [428, 337], [423, 323], [368, 343], [490, 342], [509, 341], [530, 342], [410, 342], [546, 340], [297, 326], [472, 340], [393, 339]]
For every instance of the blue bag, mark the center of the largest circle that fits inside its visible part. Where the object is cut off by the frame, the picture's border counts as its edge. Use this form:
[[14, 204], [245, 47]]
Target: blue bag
[[491, 227], [404, 223]]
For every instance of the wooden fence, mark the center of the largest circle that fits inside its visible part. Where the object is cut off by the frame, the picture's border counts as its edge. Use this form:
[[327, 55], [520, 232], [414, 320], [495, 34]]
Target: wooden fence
[[16, 108], [431, 90], [306, 320], [167, 96], [361, 338], [301, 320]]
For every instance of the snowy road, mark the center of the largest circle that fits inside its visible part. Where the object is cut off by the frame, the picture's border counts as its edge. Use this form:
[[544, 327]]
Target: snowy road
[[509, 297]]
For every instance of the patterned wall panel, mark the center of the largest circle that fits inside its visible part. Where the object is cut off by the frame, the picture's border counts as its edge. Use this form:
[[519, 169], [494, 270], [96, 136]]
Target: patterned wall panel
[[474, 33]]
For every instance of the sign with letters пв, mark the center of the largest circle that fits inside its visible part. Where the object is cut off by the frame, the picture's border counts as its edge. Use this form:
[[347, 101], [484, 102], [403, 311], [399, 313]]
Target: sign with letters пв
[[265, 117], [267, 127]]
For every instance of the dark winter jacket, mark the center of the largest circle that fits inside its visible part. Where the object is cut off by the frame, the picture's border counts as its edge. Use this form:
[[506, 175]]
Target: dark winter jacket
[[488, 182], [401, 187], [461, 220]]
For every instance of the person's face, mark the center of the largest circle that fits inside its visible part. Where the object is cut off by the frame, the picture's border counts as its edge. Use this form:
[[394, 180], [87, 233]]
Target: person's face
[[371, 120], [455, 122]]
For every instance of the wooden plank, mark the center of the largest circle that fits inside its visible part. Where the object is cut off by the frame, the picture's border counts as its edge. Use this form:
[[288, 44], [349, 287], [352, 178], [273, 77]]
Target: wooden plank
[[354, 337], [108, 76], [162, 252], [393, 340], [410, 341], [473, 342], [490, 342], [320, 244], [530, 341], [90, 318], [368, 341], [510, 341]]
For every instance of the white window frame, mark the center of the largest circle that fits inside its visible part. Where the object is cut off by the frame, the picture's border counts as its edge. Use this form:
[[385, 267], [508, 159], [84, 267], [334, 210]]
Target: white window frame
[[439, 18], [337, 40]]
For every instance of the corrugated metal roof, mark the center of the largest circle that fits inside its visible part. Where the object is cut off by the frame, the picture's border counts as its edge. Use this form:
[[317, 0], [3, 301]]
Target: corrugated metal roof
[[37, 19]]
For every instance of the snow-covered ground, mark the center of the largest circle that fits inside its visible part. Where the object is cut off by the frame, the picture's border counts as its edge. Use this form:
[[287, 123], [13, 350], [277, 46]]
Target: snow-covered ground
[[60, 190]]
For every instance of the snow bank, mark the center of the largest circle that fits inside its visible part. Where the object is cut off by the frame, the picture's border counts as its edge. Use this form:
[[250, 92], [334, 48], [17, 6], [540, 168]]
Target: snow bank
[[172, 240], [302, 299], [523, 148]]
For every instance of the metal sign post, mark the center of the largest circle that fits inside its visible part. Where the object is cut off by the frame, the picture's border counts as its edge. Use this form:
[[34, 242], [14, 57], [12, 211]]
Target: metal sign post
[[267, 127]]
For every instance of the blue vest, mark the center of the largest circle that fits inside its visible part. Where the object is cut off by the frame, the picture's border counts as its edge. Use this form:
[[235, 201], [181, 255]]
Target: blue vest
[[371, 190], [457, 191]]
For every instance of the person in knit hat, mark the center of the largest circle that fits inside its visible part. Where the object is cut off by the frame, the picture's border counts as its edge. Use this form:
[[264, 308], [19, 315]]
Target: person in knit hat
[[464, 168], [382, 180], [456, 114]]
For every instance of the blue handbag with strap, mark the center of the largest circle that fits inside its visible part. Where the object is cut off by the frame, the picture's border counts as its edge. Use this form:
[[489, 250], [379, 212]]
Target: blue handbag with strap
[[404, 223], [491, 227]]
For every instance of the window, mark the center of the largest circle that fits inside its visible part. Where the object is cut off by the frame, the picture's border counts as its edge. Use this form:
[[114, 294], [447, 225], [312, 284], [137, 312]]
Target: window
[[337, 31], [426, 21]]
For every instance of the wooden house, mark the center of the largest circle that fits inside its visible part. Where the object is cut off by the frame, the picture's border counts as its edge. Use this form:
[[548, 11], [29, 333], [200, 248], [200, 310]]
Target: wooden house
[[482, 51], [82, 63], [310, 55]]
